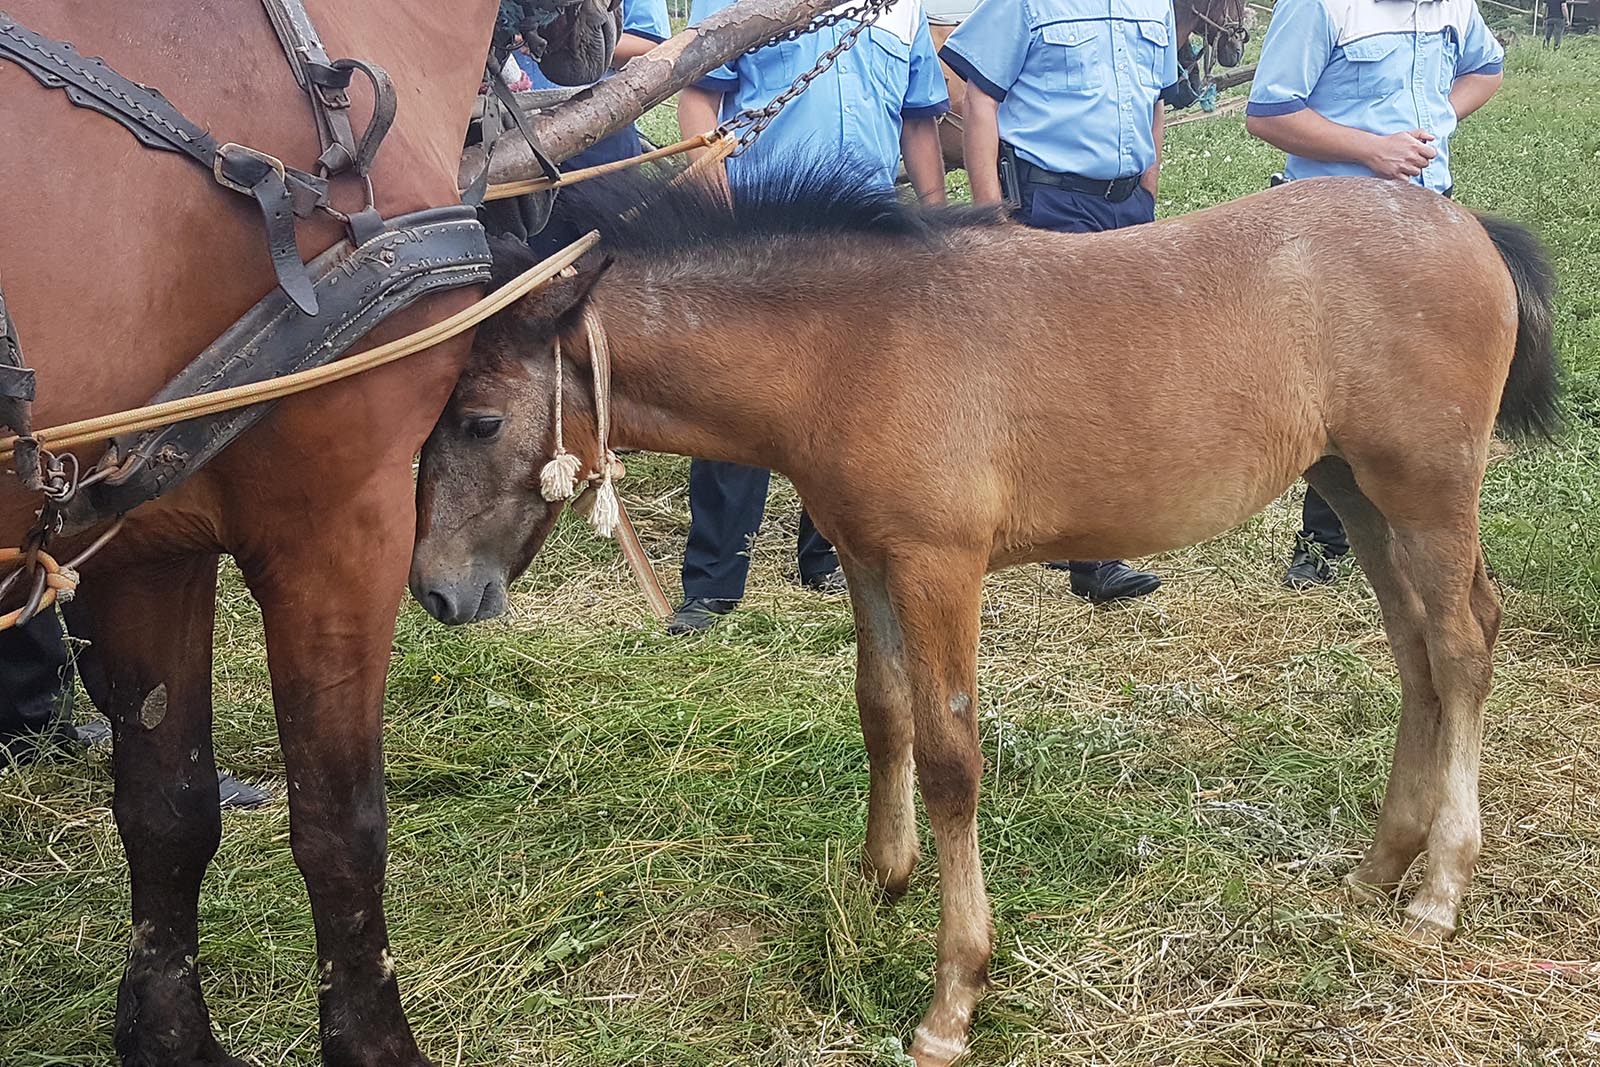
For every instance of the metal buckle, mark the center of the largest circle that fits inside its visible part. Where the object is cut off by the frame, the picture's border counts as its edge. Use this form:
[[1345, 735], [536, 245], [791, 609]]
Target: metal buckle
[[232, 151]]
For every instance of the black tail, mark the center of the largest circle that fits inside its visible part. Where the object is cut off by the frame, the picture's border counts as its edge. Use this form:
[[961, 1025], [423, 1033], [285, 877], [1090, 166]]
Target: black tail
[[1529, 407]]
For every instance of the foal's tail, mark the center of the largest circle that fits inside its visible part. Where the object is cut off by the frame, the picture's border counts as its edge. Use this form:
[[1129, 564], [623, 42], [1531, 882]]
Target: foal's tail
[[1528, 405]]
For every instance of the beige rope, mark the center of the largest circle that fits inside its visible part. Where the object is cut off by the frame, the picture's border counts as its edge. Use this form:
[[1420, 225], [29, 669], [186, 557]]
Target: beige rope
[[504, 190], [103, 427]]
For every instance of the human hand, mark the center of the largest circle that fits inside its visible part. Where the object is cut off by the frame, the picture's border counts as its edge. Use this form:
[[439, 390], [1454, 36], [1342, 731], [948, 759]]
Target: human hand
[[1401, 155]]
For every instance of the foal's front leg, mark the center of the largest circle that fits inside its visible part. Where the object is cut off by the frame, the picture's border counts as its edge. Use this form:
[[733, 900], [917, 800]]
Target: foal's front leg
[[330, 625], [884, 704], [936, 597]]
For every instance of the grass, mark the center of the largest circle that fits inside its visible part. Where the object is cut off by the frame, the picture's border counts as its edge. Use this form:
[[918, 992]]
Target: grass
[[611, 848]]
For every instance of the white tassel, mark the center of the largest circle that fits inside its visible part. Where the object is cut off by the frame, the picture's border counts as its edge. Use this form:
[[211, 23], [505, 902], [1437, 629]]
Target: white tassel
[[558, 480], [605, 516]]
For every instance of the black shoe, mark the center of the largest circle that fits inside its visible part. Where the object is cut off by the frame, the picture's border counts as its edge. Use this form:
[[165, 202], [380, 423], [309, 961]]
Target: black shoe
[[1309, 568], [1113, 581], [241, 796], [94, 735], [698, 613], [830, 583]]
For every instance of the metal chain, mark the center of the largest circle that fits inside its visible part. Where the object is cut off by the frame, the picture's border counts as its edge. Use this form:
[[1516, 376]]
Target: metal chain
[[748, 124]]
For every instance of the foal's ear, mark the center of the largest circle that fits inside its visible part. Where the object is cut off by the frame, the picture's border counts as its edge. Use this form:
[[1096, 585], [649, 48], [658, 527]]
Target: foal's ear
[[558, 303]]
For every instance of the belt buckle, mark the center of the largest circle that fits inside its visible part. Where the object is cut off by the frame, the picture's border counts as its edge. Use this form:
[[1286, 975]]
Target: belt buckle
[[232, 151]]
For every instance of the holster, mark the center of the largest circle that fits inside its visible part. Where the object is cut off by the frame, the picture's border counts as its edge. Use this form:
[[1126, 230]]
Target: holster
[[1010, 178]]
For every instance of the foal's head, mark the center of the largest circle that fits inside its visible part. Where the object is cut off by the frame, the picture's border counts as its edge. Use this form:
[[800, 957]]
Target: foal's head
[[480, 515]]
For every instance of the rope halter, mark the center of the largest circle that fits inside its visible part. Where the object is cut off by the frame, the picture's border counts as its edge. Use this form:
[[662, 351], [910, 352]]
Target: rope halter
[[558, 479]]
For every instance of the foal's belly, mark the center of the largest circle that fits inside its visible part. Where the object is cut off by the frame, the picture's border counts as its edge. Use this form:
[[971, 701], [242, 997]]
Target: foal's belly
[[1168, 502]]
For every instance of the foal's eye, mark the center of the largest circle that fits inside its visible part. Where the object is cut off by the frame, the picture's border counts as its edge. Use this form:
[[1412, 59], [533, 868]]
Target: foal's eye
[[484, 426]]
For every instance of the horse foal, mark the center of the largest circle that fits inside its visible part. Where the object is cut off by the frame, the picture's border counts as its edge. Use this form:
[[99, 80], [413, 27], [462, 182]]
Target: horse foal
[[942, 418]]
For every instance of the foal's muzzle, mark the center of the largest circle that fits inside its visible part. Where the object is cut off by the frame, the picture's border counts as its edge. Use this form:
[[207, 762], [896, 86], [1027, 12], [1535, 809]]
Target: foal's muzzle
[[472, 597]]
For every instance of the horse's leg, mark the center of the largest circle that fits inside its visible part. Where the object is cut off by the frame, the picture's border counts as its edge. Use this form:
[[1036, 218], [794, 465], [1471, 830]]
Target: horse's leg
[[1463, 619], [884, 704], [152, 627], [935, 597], [329, 619], [1408, 800]]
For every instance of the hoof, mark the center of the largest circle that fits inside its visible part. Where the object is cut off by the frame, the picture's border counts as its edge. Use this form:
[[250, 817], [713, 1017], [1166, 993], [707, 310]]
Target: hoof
[[1364, 893], [1429, 924], [927, 1050], [892, 884]]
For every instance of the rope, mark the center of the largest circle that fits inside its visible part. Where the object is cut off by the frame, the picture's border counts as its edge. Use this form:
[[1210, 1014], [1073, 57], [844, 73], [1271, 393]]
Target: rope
[[60, 583], [102, 427], [572, 177]]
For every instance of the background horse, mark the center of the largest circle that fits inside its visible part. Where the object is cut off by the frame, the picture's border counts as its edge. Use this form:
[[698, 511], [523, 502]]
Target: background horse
[[120, 264], [941, 419]]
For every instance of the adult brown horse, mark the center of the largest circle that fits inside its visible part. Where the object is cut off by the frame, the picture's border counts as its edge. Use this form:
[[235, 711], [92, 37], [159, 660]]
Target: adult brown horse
[[120, 264], [942, 418]]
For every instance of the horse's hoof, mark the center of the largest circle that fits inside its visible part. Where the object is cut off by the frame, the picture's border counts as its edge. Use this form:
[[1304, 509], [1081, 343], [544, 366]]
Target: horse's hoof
[[928, 1050], [1366, 894], [892, 883], [1429, 924]]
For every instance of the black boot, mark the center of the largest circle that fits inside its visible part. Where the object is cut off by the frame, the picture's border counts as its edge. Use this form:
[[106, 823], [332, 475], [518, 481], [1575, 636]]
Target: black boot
[[698, 613]]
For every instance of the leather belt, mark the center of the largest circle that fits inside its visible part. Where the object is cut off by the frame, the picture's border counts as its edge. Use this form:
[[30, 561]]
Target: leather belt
[[1115, 190]]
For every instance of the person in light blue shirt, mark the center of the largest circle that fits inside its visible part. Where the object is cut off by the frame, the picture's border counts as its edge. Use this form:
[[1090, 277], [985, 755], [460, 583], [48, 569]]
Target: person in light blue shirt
[[1063, 119], [1374, 88], [878, 104]]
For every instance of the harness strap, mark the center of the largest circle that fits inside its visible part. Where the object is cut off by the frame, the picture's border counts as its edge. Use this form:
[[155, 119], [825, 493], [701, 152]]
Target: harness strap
[[89, 83], [324, 82], [16, 399]]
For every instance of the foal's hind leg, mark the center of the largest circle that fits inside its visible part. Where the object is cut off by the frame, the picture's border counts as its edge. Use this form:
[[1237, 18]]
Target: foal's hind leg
[[151, 627], [1408, 800], [1463, 619], [884, 704], [1432, 800], [935, 596]]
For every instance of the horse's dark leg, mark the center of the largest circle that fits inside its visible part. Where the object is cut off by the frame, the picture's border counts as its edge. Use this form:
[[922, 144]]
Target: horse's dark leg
[[152, 627], [884, 704], [329, 603], [1402, 831], [935, 597]]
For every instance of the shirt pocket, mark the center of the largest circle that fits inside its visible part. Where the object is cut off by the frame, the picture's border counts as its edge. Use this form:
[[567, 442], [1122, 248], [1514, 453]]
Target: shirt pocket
[[1375, 70], [1449, 56], [774, 68], [1073, 56], [888, 64], [1150, 40]]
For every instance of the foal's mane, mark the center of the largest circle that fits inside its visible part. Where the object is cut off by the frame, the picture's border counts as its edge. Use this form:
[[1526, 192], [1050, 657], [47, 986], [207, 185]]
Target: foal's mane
[[647, 214]]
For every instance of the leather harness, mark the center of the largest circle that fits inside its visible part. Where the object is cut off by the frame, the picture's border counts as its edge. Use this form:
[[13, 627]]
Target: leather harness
[[318, 309]]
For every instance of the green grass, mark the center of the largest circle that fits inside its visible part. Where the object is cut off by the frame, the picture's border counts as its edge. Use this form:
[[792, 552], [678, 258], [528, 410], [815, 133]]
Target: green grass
[[610, 848]]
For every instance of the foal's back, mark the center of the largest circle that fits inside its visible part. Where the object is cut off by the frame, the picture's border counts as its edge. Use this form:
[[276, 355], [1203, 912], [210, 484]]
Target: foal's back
[[1131, 392]]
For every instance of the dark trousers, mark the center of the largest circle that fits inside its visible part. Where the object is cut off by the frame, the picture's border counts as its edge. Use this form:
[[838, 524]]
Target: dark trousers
[[726, 502], [1064, 211], [35, 680], [1320, 526], [1555, 27]]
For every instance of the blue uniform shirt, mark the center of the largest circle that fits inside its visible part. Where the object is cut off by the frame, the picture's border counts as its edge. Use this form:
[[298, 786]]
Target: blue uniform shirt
[[1384, 66], [853, 109], [1077, 80]]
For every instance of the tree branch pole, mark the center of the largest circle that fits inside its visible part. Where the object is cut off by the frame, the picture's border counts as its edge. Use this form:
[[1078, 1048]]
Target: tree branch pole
[[569, 127]]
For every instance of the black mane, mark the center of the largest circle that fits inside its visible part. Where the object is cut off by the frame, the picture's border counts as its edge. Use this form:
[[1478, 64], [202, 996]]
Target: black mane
[[641, 212]]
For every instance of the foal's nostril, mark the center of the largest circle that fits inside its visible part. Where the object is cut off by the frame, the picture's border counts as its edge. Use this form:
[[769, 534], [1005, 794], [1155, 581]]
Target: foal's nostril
[[438, 605]]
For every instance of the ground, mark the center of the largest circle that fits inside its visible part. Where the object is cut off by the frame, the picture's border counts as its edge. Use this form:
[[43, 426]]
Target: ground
[[609, 847]]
